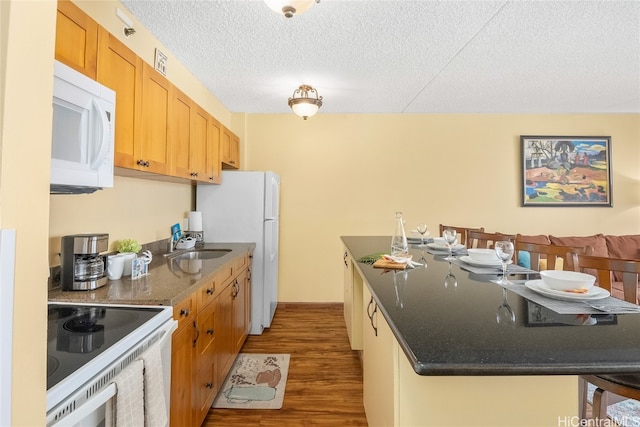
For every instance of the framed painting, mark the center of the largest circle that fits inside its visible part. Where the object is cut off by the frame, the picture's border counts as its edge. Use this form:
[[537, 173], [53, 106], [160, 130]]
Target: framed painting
[[538, 315], [566, 171]]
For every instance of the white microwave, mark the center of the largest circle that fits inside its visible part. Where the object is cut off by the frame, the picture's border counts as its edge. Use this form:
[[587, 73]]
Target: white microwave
[[82, 141]]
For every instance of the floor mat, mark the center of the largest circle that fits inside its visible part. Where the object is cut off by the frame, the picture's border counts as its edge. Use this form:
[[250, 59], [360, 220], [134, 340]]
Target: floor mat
[[256, 381]]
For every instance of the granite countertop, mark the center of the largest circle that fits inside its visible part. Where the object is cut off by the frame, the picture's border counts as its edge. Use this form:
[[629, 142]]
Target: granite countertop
[[166, 284], [454, 331]]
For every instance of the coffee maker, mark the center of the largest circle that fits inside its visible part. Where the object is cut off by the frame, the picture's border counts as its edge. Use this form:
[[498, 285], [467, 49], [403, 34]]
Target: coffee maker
[[82, 267]]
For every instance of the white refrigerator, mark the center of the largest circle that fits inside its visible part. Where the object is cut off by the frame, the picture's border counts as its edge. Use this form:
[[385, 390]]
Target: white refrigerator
[[245, 208]]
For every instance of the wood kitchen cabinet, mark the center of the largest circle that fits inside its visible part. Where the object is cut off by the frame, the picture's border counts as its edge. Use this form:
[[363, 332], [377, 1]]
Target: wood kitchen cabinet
[[242, 303], [200, 139], [158, 128], [152, 153], [181, 412], [230, 150], [76, 38], [181, 136], [120, 69], [213, 165], [379, 362], [208, 340]]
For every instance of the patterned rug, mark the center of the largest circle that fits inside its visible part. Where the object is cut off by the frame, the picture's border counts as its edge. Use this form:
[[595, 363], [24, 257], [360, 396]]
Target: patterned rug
[[256, 381]]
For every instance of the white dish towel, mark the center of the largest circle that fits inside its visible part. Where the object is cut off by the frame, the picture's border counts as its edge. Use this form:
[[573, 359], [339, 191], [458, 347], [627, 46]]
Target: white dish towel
[[130, 396], [155, 408]]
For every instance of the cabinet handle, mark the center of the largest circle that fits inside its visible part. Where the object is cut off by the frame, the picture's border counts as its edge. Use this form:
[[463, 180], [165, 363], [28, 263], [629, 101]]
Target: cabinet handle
[[209, 385], [344, 258], [143, 163], [209, 331], [211, 178], [209, 291], [371, 313], [195, 340], [184, 312], [374, 315], [194, 174]]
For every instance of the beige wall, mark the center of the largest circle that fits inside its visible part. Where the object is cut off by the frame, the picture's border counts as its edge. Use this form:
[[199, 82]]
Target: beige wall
[[341, 175], [133, 208], [26, 64], [348, 174]]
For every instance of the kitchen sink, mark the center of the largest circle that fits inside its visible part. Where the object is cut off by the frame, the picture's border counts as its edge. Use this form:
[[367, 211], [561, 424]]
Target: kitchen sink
[[201, 254]]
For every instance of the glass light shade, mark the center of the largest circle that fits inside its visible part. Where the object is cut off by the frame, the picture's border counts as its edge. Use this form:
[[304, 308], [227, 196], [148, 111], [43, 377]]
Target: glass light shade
[[289, 8], [304, 108]]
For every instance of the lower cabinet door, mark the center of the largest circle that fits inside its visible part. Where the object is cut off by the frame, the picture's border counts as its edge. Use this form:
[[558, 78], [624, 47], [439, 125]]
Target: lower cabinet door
[[379, 369], [182, 376]]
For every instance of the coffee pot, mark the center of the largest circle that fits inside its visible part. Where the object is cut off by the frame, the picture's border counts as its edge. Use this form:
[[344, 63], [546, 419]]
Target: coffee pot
[[82, 267]]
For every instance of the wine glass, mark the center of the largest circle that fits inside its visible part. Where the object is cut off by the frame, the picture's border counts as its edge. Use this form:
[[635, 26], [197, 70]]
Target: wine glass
[[422, 229], [504, 252], [450, 280], [504, 313], [450, 237]]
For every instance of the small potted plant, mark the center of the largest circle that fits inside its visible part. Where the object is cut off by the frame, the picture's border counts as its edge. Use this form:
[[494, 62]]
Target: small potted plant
[[129, 248]]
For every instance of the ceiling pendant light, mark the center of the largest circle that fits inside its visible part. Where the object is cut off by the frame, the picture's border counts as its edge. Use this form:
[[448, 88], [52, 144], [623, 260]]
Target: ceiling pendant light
[[289, 8], [305, 101]]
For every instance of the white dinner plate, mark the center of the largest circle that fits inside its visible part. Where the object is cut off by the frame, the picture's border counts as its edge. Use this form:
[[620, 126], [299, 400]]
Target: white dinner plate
[[477, 263], [594, 293], [438, 247]]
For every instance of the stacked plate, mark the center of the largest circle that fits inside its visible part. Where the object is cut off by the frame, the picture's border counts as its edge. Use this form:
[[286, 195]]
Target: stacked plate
[[540, 287], [437, 246], [479, 263]]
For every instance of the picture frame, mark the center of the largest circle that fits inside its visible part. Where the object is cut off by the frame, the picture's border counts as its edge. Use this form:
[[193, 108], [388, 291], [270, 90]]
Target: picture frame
[[538, 315], [561, 171]]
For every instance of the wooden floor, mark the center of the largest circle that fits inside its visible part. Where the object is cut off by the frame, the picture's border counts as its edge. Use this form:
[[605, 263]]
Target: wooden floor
[[324, 385]]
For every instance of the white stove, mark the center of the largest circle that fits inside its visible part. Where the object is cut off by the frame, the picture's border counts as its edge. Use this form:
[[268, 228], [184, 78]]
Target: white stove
[[88, 345]]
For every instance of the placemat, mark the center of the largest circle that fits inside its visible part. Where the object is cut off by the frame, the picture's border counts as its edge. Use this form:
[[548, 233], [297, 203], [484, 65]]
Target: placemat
[[511, 268], [618, 306]]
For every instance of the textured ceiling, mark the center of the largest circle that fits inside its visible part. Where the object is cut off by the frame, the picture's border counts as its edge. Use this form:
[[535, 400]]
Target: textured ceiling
[[409, 56]]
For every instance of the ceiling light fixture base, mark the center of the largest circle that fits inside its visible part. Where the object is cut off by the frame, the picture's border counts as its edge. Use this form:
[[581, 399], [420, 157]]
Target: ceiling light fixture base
[[290, 8]]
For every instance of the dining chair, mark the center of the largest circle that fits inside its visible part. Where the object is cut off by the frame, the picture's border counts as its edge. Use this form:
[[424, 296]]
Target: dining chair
[[547, 257], [462, 232], [482, 240], [623, 386]]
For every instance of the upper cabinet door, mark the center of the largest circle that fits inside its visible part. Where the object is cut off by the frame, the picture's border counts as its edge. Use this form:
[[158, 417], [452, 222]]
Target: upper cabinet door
[[152, 153], [76, 38], [180, 137], [121, 69], [199, 140], [230, 150], [213, 151]]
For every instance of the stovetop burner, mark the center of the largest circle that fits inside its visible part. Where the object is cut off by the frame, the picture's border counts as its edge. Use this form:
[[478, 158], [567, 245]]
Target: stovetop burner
[[79, 333]]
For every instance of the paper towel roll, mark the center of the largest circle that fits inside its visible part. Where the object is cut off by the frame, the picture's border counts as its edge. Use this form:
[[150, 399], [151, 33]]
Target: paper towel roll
[[195, 221]]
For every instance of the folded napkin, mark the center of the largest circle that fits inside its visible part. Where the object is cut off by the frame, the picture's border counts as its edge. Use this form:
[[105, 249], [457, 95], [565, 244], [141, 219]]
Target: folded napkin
[[155, 408], [130, 396], [394, 262]]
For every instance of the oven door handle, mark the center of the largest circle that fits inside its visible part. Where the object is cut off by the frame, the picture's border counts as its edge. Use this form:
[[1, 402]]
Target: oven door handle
[[101, 398]]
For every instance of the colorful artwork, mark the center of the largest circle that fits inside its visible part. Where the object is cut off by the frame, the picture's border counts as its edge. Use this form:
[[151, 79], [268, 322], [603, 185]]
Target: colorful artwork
[[566, 171]]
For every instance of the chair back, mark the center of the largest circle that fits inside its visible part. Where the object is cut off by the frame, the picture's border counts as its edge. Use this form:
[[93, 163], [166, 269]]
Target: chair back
[[462, 232], [604, 267], [482, 240], [554, 255]]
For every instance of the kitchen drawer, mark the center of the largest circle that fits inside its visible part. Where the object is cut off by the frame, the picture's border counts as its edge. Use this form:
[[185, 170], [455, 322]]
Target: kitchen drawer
[[205, 389], [206, 294], [206, 336], [226, 273], [242, 262], [184, 312]]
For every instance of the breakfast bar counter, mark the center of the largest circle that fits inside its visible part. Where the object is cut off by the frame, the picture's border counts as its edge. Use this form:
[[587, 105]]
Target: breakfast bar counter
[[457, 359]]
